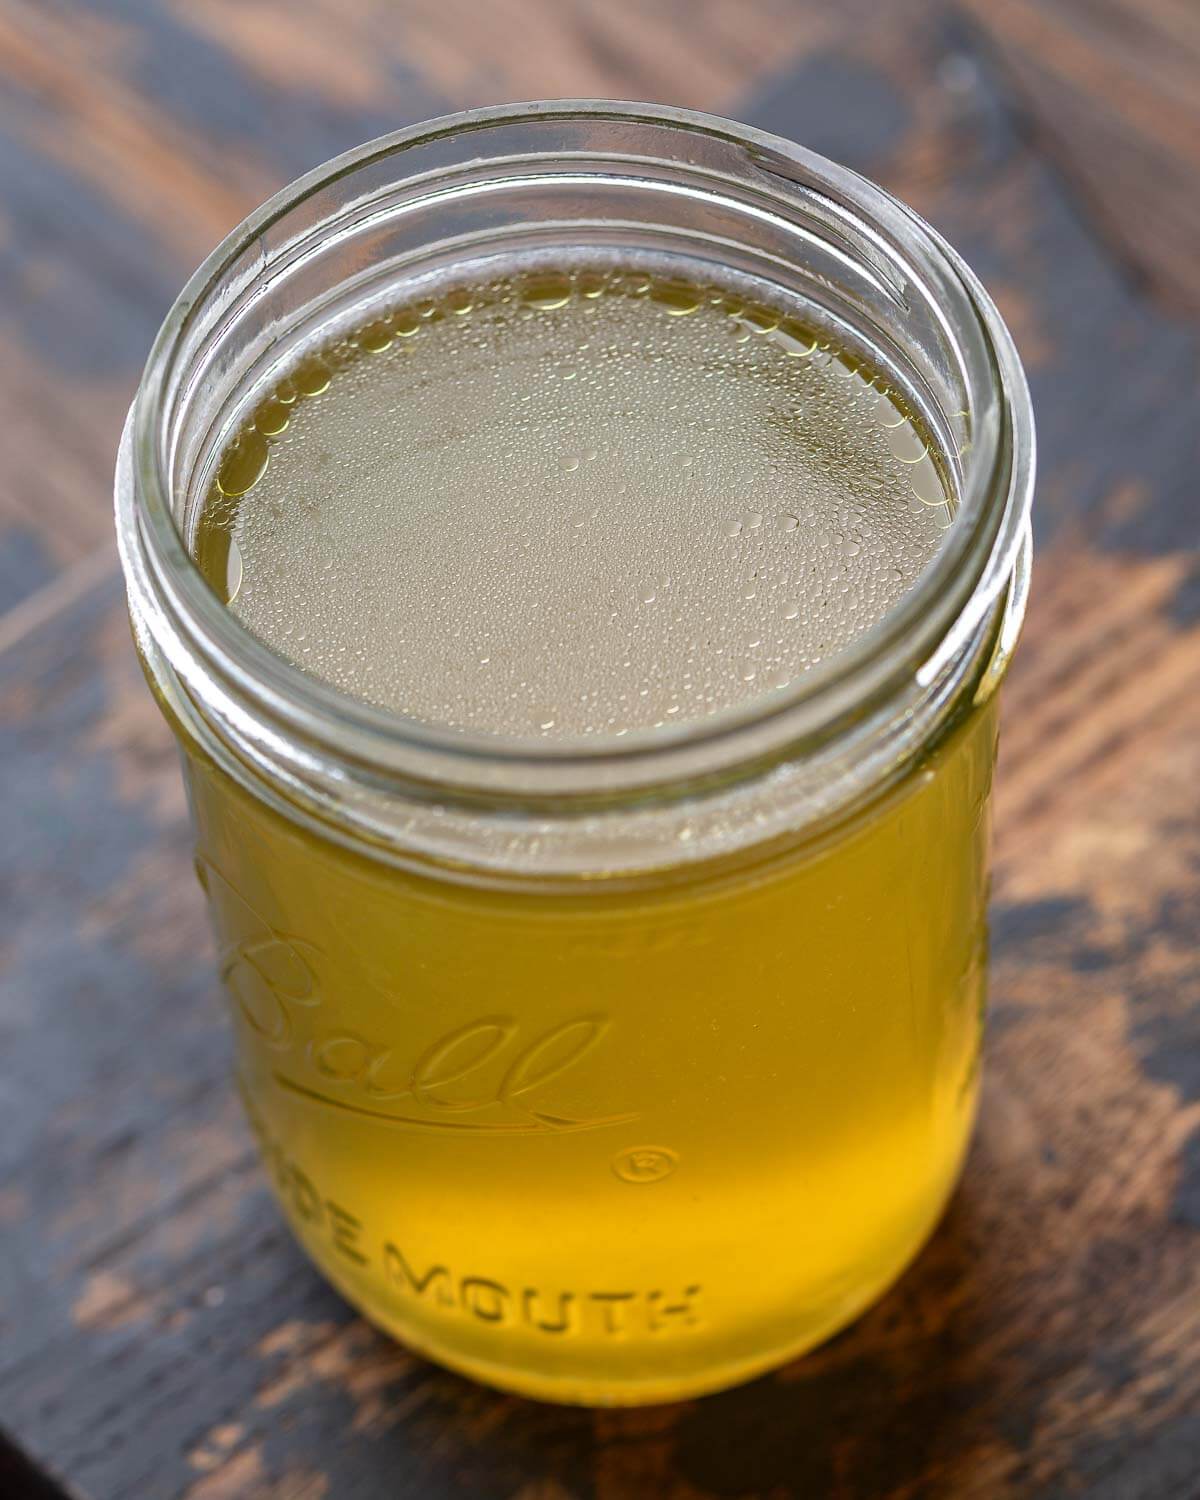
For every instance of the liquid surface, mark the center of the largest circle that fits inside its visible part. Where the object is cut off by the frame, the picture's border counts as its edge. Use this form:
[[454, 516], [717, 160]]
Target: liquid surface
[[571, 505]]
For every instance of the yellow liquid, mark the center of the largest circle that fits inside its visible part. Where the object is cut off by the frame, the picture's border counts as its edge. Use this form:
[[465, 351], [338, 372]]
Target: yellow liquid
[[604, 1140]]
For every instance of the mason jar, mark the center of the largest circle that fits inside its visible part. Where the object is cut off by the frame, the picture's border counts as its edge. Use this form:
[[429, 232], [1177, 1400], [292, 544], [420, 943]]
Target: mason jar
[[617, 1071]]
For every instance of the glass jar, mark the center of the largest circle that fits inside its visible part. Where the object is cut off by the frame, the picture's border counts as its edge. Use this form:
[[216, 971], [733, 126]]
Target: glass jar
[[618, 1072]]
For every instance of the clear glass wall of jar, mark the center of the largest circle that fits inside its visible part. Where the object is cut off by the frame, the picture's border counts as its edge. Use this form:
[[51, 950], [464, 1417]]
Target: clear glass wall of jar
[[616, 1073]]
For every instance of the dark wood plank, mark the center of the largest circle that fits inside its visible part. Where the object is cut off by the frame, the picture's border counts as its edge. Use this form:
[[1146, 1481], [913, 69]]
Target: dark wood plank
[[160, 1335], [700, 53], [1113, 90]]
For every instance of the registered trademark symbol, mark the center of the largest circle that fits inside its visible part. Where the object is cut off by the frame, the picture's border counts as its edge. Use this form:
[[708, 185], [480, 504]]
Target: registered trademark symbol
[[641, 1164]]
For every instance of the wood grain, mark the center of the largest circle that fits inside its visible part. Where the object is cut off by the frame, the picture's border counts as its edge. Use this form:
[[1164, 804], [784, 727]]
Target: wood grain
[[1112, 90], [160, 1334]]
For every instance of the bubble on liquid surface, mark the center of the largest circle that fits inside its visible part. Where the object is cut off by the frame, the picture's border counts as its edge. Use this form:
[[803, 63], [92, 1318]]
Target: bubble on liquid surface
[[569, 503]]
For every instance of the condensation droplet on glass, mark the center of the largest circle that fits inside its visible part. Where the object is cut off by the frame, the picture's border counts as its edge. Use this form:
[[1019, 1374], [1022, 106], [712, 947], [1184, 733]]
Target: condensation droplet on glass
[[906, 443], [546, 292], [243, 464], [926, 483], [794, 339], [272, 417], [677, 299], [376, 337], [233, 571], [312, 376]]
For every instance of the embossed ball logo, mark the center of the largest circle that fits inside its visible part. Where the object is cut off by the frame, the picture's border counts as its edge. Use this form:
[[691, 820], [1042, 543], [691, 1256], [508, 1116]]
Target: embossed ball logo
[[494, 1067], [643, 1164]]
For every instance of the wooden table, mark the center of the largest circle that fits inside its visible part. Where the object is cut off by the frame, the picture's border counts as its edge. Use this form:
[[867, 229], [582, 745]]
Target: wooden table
[[161, 1336]]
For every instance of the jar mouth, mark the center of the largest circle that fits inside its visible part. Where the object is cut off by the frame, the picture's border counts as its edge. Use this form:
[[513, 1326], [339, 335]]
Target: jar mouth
[[778, 184]]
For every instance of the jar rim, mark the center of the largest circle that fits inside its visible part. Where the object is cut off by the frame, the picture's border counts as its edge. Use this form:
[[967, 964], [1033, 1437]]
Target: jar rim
[[944, 608]]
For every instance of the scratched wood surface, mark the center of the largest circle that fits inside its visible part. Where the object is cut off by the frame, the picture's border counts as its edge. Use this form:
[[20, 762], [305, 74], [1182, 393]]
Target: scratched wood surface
[[160, 1336]]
